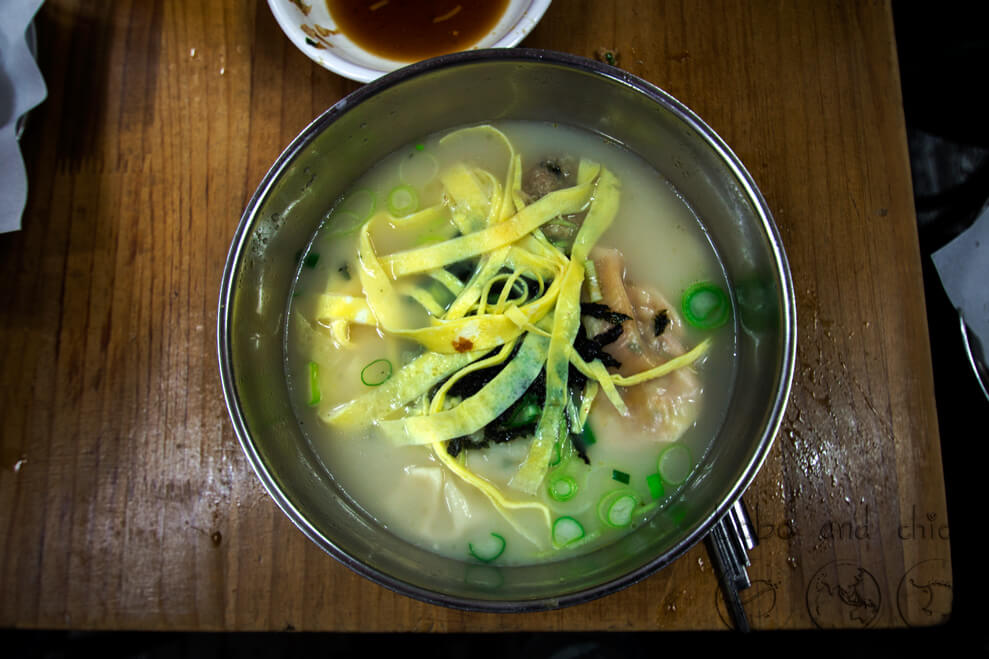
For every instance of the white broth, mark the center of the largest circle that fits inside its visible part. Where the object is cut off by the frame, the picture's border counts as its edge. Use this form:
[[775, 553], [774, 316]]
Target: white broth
[[343, 346]]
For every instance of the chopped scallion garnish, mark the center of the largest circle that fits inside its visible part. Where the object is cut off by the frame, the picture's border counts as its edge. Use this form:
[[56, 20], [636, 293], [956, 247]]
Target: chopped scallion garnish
[[312, 258], [556, 455], [562, 488], [593, 283], [655, 483], [616, 508], [402, 200], [566, 531], [563, 223], [314, 392], [524, 415], [376, 373], [620, 476], [588, 435], [705, 305], [487, 549], [675, 464]]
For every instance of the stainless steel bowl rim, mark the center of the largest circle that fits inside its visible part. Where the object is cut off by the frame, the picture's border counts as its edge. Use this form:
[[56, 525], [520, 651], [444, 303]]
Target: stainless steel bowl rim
[[352, 102]]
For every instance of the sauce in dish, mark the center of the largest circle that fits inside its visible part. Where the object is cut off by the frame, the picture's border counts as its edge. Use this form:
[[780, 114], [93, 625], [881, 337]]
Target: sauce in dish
[[510, 343], [412, 30]]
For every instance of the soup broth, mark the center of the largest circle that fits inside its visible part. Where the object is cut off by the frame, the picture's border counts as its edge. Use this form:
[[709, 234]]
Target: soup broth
[[555, 469]]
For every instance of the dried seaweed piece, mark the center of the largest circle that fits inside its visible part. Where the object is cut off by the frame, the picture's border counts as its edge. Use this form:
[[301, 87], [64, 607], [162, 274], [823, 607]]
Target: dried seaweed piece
[[660, 322], [603, 312]]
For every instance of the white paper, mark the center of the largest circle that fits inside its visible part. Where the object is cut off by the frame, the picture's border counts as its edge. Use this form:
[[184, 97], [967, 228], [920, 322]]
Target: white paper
[[22, 87], [963, 265]]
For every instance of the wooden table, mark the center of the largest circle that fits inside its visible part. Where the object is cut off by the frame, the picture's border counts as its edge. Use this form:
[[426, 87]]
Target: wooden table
[[125, 500]]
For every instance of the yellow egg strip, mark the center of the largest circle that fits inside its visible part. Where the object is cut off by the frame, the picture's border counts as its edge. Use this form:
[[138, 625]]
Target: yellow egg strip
[[506, 290], [445, 277], [513, 188], [566, 323], [421, 259], [437, 402], [600, 215], [331, 306], [686, 359], [494, 196], [543, 267], [586, 400], [425, 300], [597, 371], [379, 291], [474, 413], [488, 267], [404, 386], [469, 203], [500, 502]]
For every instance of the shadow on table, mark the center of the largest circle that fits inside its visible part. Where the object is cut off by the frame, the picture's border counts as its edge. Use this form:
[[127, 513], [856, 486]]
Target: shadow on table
[[632, 645]]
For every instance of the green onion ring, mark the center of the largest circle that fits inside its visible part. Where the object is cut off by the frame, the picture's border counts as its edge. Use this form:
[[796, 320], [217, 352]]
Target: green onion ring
[[705, 305], [371, 377]]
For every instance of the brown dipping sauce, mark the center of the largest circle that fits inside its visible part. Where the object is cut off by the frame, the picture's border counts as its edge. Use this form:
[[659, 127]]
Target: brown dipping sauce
[[411, 30]]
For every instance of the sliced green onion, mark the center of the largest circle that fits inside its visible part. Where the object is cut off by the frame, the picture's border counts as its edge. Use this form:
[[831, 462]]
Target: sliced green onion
[[312, 258], [402, 200], [593, 283], [655, 483], [588, 435], [562, 488], [675, 464], [524, 415], [566, 531], [314, 393], [352, 213], [488, 549], [344, 223], [620, 476], [572, 414], [556, 455], [361, 203], [562, 223], [705, 305], [616, 507], [376, 373], [563, 450], [419, 167]]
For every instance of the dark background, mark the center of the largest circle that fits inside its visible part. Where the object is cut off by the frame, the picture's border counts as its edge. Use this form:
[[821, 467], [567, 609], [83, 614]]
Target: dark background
[[944, 59]]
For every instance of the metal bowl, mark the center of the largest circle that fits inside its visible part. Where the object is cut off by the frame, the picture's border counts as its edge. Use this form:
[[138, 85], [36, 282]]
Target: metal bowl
[[479, 86]]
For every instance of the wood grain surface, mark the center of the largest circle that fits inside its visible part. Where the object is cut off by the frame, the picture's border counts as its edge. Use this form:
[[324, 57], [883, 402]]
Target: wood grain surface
[[125, 500]]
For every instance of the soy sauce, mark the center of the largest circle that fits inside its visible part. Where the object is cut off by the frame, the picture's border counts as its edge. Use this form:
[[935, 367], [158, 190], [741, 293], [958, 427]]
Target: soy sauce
[[411, 30]]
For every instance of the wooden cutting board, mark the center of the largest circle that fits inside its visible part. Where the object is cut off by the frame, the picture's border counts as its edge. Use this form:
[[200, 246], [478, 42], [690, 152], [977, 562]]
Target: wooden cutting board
[[125, 501]]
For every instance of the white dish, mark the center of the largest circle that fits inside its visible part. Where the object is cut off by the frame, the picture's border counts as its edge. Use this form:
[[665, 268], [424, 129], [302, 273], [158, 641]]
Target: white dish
[[308, 24]]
